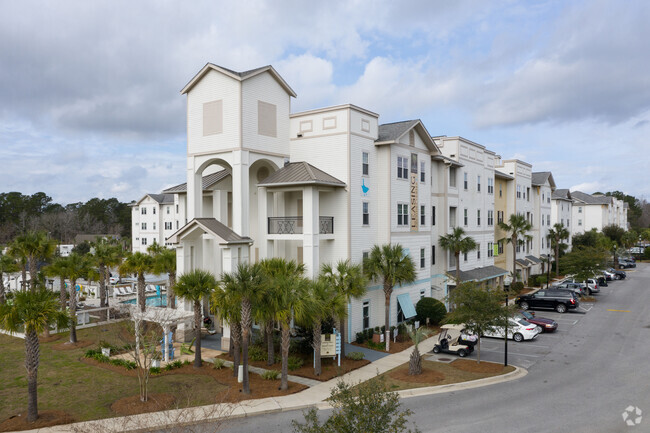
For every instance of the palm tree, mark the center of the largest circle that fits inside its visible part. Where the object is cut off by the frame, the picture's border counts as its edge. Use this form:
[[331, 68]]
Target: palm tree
[[59, 268], [395, 267], [349, 281], [227, 304], [31, 248], [328, 302], [285, 280], [194, 286], [32, 311], [516, 229], [19, 250], [164, 262], [106, 254], [248, 282], [7, 265], [78, 267], [138, 263], [558, 233], [457, 242], [415, 362]]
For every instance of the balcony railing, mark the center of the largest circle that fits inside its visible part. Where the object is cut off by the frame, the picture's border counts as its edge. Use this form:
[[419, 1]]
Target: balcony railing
[[293, 225]]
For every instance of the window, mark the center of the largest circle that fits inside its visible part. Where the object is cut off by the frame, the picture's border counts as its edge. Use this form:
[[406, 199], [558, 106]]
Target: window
[[168, 225], [154, 225], [267, 123], [567, 222], [402, 167], [465, 181], [548, 219], [433, 254], [490, 218], [579, 222], [465, 257], [490, 249], [500, 190], [562, 221], [465, 217], [478, 217], [518, 247], [176, 208], [478, 251], [422, 258], [499, 216], [366, 214], [423, 219], [490, 185], [452, 177], [452, 216], [518, 191], [143, 210], [400, 313], [433, 215], [402, 214], [478, 183], [527, 194], [542, 242], [144, 241], [542, 219], [500, 247], [154, 210], [364, 256], [144, 226], [422, 293], [422, 175], [548, 199], [176, 225], [167, 208], [366, 314], [542, 197], [364, 164]]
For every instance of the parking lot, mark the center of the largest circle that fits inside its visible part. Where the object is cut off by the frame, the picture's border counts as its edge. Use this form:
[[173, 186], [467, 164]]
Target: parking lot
[[528, 353]]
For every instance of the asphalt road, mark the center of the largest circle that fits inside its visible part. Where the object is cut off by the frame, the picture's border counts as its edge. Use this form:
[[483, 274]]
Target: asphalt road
[[582, 380]]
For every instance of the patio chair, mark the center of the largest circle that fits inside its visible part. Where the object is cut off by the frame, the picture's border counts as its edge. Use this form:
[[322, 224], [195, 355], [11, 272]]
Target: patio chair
[[120, 291], [186, 349]]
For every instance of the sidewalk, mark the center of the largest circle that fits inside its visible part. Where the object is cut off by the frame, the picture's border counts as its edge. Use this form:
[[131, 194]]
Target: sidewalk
[[316, 395]]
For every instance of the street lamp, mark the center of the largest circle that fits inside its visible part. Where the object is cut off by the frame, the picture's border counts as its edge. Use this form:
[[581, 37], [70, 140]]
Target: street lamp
[[548, 271], [505, 348]]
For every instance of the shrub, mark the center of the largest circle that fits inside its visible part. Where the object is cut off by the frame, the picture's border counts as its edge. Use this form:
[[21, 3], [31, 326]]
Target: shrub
[[257, 353], [295, 363], [361, 337], [155, 370], [300, 346], [270, 375], [169, 367], [355, 356], [178, 363], [429, 308], [517, 287], [376, 346], [219, 364]]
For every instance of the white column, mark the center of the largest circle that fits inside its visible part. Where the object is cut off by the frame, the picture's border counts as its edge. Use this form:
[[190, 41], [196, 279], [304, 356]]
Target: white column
[[194, 193], [311, 230], [220, 206], [264, 211], [240, 192], [166, 342]]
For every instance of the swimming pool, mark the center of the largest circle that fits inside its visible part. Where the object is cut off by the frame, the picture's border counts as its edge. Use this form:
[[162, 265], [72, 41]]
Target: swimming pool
[[151, 301]]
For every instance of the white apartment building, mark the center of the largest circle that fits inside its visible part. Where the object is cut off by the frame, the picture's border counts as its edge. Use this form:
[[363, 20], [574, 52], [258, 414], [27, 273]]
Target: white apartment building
[[543, 186], [596, 211], [561, 211], [470, 205], [152, 219]]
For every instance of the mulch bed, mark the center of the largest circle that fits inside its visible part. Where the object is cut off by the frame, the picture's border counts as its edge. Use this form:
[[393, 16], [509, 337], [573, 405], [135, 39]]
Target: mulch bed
[[427, 376], [395, 347], [133, 406], [69, 346], [51, 338], [46, 418], [475, 367]]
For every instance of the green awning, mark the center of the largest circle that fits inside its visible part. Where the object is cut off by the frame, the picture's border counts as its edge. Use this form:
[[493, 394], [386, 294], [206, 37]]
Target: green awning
[[408, 309]]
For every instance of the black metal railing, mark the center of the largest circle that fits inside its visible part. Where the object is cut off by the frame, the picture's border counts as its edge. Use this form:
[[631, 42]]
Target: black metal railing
[[292, 225]]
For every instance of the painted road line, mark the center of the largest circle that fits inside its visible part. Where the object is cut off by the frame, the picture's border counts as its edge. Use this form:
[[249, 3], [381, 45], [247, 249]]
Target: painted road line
[[512, 353], [619, 311]]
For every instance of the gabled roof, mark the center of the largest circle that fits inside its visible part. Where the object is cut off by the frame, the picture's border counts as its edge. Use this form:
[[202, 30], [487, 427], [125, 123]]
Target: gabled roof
[[561, 194], [206, 182], [502, 175], [482, 274], [300, 173], [533, 259], [390, 133], [214, 227], [523, 262], [159, 198], [539, 178], [240, 76], [590, 199]]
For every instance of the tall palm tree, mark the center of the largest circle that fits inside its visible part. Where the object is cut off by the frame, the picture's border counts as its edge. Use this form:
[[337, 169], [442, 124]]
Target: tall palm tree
[[285, 279], [248, 282], [31, 311], [516, 229], [457, 242], [164, 262], [328, 302], [78, 267], [107, 253], [394, 267], [59, 268], [349, 281], [138, 263], [19, 250], [194, 286], [227, 304], [31, 248], [7, 265], [558, 233]]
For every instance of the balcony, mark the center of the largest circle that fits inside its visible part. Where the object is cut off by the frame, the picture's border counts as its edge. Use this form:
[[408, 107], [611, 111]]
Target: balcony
[[293, 225]]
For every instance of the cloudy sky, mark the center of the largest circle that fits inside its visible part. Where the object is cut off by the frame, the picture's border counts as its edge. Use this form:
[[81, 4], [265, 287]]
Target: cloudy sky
[[90, 103]]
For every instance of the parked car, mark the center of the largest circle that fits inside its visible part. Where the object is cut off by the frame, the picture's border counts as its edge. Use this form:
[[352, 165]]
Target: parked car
[[547, 325], [558, 300], [518, 330], [591, 286], [577, 288], [625, 264], [618, 274], [609, 276], [452, 339], [114, 280], [602, 281]]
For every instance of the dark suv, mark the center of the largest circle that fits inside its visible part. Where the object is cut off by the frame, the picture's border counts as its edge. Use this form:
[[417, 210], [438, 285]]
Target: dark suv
[[558, 300]]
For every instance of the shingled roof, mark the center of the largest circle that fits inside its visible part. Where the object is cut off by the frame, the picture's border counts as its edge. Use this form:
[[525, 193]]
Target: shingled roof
[[393, 131], [482, 274], [214, 227], [206, 182], [561, 194], [590, 199], [301, 173], [240, 76], [539, 178]]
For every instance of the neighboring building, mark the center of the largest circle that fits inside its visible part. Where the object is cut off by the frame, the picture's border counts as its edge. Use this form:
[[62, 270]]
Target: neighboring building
[[152, 219], [561, 211], [596, 211], [543, 186]]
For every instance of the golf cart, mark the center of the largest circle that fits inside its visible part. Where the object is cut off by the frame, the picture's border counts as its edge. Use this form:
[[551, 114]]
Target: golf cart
[[452, 339]]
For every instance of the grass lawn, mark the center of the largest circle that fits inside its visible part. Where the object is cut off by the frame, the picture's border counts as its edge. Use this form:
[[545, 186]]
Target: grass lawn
[[438, 373], [86, 391]]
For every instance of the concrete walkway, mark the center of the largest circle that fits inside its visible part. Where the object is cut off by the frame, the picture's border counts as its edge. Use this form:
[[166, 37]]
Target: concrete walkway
[[316, 395]]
